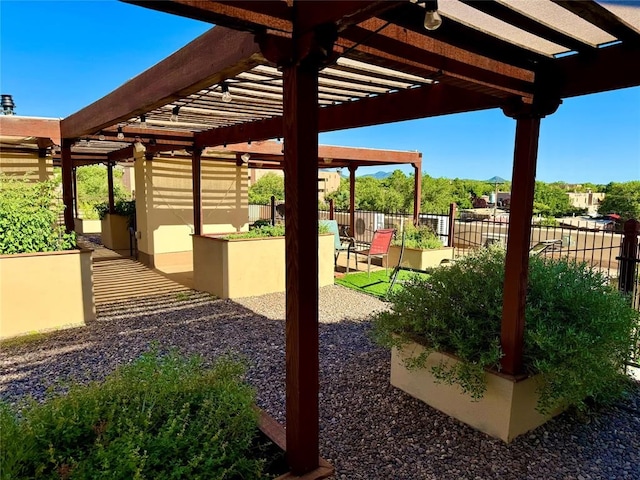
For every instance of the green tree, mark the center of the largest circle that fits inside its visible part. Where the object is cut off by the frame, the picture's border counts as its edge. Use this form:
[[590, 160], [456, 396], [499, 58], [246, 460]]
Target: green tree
[[93, 189], [551, 200], [269, 185], [623, 199]]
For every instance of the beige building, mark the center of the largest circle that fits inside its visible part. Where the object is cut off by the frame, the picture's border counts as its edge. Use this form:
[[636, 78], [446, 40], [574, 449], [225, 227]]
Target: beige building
[[589, 201], [328, 180]]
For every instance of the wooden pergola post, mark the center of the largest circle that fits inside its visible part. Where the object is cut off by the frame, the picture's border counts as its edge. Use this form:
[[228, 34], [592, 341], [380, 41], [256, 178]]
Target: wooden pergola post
[[517, 260], [75, 192], [301, 238], [196, 178], [112, 203], [352, 200], [417, 192], [67, 184]]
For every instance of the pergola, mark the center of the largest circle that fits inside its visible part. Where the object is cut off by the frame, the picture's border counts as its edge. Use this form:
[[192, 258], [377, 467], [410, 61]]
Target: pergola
[[295, 68]]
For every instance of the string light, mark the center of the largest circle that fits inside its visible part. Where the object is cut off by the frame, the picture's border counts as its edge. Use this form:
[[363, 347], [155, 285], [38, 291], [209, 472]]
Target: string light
[[226, 95], [120, 135], [143, 121], [174, 113]]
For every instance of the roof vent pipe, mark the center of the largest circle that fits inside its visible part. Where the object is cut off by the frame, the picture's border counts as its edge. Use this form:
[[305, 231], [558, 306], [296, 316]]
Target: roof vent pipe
[[7, 105]]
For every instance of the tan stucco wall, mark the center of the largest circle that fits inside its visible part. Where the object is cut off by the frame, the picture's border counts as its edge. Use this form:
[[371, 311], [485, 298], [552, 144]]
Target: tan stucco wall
[[84, 226], [115, 232], [164, 203], [419, 259], [506, 410], [29, 164], [44, 291], [244, 268]]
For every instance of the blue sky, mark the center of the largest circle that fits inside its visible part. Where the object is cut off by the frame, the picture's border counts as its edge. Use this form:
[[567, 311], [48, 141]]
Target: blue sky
[[57, 57]]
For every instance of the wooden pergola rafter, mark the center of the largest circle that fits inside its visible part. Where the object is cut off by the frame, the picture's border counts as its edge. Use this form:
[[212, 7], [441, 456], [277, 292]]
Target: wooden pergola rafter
[[296, 68]]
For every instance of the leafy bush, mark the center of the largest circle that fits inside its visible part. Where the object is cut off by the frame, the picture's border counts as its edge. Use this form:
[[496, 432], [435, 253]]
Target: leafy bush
[[91, 181], [126, 208], [29, 212], [578, 329], [421, 237], [161, 417]]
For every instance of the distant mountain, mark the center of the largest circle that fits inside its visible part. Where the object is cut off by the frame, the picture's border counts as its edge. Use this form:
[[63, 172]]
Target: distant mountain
[[377, 175]]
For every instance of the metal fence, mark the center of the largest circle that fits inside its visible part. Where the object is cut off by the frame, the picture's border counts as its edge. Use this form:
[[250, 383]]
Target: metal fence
[[598, 248]]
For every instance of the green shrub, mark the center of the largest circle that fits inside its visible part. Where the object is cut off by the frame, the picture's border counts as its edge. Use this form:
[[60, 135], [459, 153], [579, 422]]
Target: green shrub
[[126, 208], [268, 230], [422, 237], [578, 330], [29, 213], [161, 417]]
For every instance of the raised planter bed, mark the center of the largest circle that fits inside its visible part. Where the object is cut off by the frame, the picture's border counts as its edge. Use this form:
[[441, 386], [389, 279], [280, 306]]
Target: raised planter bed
[[115, 232], [45, 291], [419, 259], [507, 409], [247, 267]]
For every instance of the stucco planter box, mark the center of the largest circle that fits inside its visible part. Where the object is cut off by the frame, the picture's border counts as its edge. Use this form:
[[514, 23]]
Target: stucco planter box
[[507, 409], [115, 232], [45, 291], [419, 259], [246, 267], [84, 226]]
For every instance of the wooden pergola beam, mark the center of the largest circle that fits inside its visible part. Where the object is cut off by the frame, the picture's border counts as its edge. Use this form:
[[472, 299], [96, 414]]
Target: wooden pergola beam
[[216, 55], [273, 151], [391, 42], [607, 69], [427, 101]]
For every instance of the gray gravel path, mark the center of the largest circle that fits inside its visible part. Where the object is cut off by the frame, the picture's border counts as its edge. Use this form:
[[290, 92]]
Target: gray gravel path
[[369, 430]]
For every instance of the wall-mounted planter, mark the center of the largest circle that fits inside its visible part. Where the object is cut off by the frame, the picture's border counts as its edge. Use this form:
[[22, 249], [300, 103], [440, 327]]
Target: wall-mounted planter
[[115, 232], [248, 267], [84, 226], [507, 409], [45, 291], [419, 259]]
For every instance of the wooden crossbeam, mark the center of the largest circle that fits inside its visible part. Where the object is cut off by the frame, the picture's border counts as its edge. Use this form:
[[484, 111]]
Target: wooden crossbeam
[[216, 55], [427, 101], [408, 48]]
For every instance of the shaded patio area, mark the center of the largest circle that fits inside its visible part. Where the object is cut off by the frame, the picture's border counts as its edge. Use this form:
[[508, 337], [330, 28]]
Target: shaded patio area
[[368, 429]]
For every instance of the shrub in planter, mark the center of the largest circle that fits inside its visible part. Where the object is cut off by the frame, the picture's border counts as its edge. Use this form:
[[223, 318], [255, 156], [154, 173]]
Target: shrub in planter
[[163, 416], [421, 237], [29, 214], [578, 332], [263, 231], [125, 208]]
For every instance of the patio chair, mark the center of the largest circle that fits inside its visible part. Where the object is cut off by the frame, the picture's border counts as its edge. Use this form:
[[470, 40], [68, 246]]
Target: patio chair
[[341, 243], [379, 248]]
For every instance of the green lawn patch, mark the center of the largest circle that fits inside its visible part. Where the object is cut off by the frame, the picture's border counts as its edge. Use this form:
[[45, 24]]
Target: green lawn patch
[[376, 284]]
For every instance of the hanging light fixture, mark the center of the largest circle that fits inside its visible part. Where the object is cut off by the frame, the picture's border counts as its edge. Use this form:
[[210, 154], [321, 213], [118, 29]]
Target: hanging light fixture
[[101, 136], [226, 95], [432, 19], [143, 121], [120, 135], [174, 113], [245, 157]]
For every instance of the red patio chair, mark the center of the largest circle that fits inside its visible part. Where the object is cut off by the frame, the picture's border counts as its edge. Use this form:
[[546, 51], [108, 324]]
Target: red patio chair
[[379, 248]]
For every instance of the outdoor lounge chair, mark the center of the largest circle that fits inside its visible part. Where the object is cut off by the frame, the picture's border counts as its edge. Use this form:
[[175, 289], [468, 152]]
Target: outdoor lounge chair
[[341, 243], [379, 248]]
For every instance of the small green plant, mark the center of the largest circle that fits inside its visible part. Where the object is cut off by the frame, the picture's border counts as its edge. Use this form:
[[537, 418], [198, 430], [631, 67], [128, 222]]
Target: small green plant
[[578, 334], [421, 237], [268, 231], [29, 215], [163, 416], [549, 222]]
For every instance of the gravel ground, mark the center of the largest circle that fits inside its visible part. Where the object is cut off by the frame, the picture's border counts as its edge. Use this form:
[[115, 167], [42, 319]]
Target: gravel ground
[[369, 430]]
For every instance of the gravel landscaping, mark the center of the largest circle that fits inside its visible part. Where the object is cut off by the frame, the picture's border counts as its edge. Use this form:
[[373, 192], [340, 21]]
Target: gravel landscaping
[[369, 430]]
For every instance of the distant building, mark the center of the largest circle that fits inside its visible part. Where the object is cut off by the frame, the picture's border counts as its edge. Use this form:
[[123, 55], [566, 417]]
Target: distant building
[[588, 201], [328, 181]]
